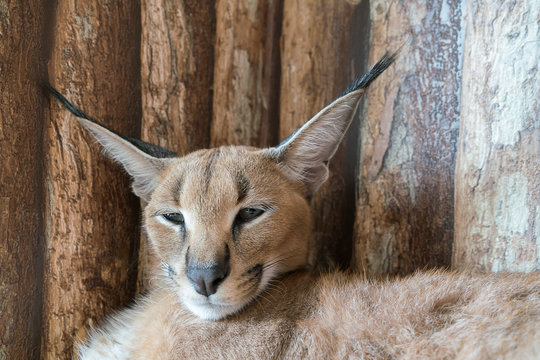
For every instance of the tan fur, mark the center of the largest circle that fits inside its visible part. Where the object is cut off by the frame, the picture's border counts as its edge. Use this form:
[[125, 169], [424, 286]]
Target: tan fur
[[433, 315], [267, 305], [427, 316]]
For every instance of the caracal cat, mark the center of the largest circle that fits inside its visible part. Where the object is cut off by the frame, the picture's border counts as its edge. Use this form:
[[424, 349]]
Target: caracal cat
[[231, 225]]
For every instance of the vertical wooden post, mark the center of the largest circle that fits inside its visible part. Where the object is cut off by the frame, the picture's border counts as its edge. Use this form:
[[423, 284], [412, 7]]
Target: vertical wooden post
[[246, 73], [177, 73], [22, 71], [91, 216], [497, 224], [409, 134], [316, 67]]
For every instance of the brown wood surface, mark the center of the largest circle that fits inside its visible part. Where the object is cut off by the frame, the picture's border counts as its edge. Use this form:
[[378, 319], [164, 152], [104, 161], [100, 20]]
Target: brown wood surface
[[497, 222], [318, 61], [203, 73], [246, 73], [405, 200], [22, 112], [177, 71], [91, 217]]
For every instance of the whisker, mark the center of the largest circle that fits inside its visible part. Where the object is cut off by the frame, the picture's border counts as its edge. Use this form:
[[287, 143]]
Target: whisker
[[275, 288], [261, 306], [263, 297], [280, 259]]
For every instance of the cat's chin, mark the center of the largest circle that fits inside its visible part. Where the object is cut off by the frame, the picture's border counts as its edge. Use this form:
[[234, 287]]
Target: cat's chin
[[208, 311], [212, 309]]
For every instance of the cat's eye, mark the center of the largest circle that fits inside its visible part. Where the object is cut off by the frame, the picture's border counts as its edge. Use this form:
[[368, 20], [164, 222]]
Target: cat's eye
[[248, 214], [175, 218]]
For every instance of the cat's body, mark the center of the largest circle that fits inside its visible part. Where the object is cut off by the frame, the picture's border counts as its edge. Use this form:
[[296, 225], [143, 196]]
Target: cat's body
[[434, 315], [231, 227]]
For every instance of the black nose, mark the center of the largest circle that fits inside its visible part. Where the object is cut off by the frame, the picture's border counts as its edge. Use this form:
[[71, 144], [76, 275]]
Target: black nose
[[206, 279]]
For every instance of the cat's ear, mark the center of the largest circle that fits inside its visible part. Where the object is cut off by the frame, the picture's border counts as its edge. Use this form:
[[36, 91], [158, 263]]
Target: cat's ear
[[305, 154], [143, 167], [142, 160]]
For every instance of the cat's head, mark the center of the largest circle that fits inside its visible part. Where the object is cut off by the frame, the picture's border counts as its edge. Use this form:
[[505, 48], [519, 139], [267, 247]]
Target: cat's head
[[226, 221]]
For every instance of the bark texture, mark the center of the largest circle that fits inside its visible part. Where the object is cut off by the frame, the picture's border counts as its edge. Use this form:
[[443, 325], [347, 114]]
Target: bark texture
[[177, 70], [246, 73], [92, 219], [317, 64], [405, 200], [22, 71], [497, 224], [204, 73]]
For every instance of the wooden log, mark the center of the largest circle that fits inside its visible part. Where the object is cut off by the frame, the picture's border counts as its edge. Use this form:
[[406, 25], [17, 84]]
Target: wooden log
[[246, 75], [91, 216], [408, 139], [177, 72], [497, 223], [319, 60], [22, 112]]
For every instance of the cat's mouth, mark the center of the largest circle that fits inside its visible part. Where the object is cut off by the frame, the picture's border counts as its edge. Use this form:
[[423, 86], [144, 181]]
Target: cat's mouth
[[232, 296], [217, 307]]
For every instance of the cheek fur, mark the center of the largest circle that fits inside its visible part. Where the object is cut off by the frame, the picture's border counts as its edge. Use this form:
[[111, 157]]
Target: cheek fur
[[164, 238]]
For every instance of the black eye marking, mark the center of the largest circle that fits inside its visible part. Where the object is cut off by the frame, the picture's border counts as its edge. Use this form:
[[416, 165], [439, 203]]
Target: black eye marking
[[242, 185], [256, 270], [209, 171], [178, 187], [248, 214], [175, 218]]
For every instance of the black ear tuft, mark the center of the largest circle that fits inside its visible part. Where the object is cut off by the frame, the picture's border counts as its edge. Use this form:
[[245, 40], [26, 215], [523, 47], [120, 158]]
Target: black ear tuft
[[150, 149], [304, 155], [384, 62]]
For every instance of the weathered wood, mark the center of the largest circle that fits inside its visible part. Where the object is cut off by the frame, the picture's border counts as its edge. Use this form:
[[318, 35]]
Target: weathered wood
[[92, 219], [317, 65], [22, 70], [497, 223], [246, 86], [177, 73], [408, 139]]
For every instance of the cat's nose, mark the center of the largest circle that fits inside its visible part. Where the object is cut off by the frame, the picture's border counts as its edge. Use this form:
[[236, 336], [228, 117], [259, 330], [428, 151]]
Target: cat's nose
[[206, 279]]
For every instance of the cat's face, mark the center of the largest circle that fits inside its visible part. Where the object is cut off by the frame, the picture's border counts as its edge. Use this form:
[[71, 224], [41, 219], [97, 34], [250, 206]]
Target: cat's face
[[224, 222]]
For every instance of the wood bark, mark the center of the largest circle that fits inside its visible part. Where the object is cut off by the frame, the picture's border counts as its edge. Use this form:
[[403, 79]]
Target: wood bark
[[246, 75], [319, 60], [23, 54], [408, 139], [497, 224], [177, 50], [92, 219], [177, 71]]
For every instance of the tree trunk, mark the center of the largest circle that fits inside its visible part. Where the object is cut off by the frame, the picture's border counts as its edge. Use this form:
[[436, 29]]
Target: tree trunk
[[497, 225], [92, 219], [246, 73], [316, 68], [177, 73], [405, 202], [21, 189]]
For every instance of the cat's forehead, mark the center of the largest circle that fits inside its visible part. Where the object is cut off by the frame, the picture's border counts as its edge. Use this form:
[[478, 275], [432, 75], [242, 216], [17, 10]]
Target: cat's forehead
[[225, 175]]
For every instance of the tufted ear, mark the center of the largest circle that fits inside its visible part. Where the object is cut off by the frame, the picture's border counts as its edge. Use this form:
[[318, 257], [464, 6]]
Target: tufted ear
[[305, 154], [142, 160]]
